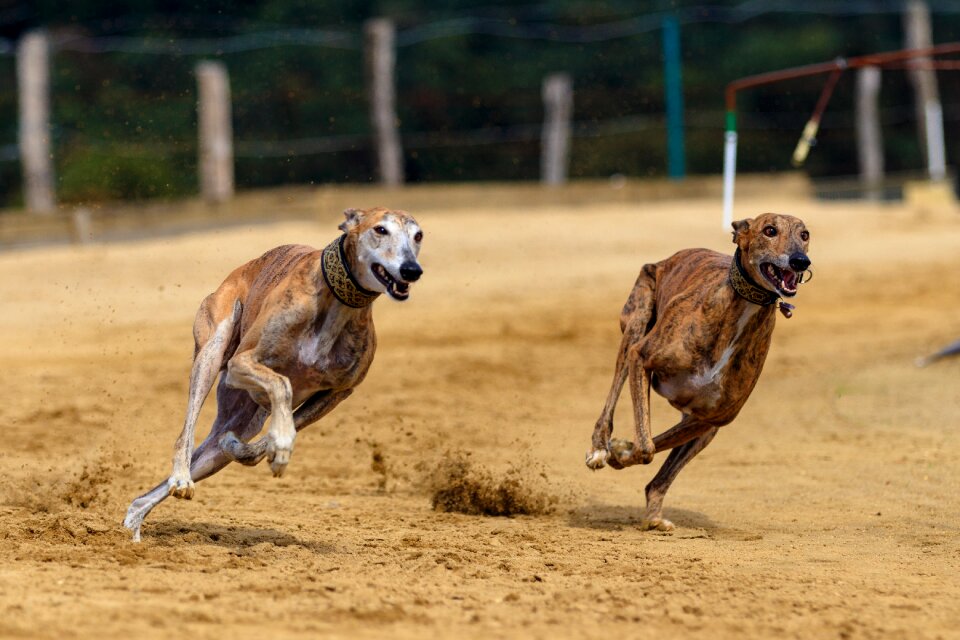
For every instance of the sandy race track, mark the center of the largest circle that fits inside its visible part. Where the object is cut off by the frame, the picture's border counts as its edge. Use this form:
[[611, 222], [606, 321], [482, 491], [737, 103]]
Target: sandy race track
[[830, 508]]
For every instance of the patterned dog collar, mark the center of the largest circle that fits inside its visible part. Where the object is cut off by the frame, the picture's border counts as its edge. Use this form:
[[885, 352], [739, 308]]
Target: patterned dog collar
[[746, 287], [341, 282]]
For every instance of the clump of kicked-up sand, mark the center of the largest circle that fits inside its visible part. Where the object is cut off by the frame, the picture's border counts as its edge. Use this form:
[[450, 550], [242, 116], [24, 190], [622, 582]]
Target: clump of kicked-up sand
[[459, 485]]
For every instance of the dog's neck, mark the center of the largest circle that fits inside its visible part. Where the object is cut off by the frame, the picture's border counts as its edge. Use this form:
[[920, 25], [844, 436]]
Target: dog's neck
[[746, 287], [340, 279]]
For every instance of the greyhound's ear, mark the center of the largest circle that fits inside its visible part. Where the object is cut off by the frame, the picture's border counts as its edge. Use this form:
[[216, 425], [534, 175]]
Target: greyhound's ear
[[353, 217], [740, 229]]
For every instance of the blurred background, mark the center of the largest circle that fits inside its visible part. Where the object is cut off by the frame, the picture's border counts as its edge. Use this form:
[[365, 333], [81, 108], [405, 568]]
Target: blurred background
[[468, 84]]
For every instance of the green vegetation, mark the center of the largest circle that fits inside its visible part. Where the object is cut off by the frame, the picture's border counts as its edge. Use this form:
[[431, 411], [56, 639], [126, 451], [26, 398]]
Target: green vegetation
[[125, 123]]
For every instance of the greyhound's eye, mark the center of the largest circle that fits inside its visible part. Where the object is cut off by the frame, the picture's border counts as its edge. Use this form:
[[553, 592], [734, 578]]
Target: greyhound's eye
[[770, 231], [804, 235], [382, 230], [418, 237]]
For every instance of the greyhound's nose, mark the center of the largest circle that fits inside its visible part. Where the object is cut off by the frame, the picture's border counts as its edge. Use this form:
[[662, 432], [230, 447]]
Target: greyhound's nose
[[799, 262], [410, 271]]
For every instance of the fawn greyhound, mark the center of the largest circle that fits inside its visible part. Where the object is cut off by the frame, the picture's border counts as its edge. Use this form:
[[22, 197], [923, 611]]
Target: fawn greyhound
[[697, 327], [293, 333]]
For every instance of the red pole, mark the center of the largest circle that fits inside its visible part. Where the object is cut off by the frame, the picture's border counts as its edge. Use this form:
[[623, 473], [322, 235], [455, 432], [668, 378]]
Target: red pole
[[873, 59]]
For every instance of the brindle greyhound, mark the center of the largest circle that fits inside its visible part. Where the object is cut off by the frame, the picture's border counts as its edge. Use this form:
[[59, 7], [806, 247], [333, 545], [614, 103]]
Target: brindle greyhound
[[293, 333], [697, 327]]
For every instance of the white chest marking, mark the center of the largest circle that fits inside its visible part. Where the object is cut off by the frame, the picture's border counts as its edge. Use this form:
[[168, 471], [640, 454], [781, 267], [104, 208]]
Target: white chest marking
[[714, 374], [318, 341]]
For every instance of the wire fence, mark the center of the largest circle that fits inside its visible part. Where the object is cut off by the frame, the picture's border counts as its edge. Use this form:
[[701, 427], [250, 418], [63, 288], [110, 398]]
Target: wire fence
[[530, 24], [529, 132], [478, 25]]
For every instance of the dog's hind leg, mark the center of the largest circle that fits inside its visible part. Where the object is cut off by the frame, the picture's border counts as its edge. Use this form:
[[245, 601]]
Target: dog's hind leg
[[237, 413], [143, 505], [318, 405], [213, 332], [635, 320], [657, 489], [681, 433]]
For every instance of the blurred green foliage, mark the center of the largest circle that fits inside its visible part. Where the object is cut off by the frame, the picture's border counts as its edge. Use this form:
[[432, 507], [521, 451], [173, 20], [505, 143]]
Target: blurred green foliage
[[125, 123]]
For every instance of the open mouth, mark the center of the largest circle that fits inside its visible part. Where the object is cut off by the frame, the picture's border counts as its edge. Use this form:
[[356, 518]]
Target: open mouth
[[398, 289], [785, 280]]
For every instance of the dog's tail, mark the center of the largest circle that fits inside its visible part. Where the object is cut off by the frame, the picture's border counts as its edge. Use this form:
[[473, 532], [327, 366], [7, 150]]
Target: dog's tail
[[950, 350]]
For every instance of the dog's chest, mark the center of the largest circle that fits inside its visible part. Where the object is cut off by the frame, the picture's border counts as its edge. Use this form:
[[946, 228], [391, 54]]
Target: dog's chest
[[706, 381], [332, 350]]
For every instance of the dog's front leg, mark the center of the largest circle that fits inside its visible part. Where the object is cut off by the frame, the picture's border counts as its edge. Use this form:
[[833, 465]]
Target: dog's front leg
[[244, 371], [641, 450], [599, 454]]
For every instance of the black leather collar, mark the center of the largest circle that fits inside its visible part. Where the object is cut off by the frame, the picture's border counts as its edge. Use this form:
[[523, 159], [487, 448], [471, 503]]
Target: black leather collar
[[342, 283], [746, 287]]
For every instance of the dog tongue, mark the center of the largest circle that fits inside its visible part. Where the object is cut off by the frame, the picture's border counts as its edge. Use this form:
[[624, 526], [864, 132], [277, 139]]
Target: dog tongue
[[789, 279]]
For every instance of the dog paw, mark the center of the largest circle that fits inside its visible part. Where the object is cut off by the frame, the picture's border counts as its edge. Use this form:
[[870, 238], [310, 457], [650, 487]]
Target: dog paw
[[133, 521], [279, 462], [624, 453], [279, 451], [621, 453], [656, 524], [242, 452], [180, 486], [597, 458]]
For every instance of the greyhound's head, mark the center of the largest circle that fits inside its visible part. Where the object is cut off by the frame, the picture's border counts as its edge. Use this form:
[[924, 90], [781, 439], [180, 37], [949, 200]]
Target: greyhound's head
[[773, 251], [385, 244]]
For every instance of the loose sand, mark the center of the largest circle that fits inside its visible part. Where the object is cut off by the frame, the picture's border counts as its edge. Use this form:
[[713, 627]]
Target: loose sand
[[829, 508]]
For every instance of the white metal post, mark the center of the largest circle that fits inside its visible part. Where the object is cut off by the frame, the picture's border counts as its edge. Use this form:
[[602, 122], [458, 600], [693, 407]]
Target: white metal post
[[729, 173], [936, 157]]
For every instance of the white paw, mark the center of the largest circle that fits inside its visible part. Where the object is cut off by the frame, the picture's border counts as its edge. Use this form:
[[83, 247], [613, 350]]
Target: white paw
[[180, 486], [597, 458], [133, 522], [279, 450]]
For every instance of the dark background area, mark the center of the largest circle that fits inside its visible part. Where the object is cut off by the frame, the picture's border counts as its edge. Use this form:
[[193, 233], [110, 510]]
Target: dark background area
[[124, 122]]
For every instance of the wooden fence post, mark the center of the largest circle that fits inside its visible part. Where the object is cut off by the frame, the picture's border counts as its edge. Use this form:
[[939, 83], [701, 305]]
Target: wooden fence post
[[381, 69], [215, 131], [82, 229], [33, 78], [926, 97], [555, 143], [869, 133]]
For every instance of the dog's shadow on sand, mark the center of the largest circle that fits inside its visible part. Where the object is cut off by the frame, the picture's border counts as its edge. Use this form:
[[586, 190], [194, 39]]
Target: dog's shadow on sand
[[607, 517], [234, 537]]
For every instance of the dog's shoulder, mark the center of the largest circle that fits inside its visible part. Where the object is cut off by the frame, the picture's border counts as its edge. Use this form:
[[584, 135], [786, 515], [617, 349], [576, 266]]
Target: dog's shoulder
[[263, 274], [691, 270], [695, 261], [276, 263]]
